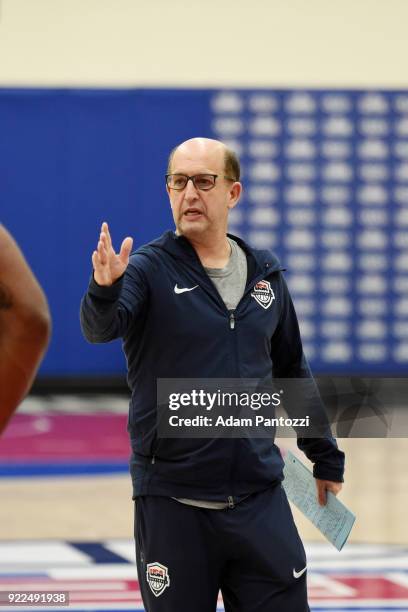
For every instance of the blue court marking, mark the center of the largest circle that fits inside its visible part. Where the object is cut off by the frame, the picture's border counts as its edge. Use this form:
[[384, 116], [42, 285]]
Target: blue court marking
[[98, 553], [22, 470]]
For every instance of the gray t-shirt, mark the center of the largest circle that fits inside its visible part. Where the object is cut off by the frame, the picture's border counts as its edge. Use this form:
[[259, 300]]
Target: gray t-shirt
[[230, 283]]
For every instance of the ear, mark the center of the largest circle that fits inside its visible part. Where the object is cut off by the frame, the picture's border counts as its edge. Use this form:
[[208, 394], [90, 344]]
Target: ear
[[168, 193], [234, 194]]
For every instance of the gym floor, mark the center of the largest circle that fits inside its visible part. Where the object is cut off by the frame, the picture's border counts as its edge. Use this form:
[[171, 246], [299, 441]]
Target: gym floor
[[66, 514]]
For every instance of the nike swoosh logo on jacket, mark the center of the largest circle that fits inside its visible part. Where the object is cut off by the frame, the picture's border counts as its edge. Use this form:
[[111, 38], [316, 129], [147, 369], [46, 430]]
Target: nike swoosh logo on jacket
[[179, 290]]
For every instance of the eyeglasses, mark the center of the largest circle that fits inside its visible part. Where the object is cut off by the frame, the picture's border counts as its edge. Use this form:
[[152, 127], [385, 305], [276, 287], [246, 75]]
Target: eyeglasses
[[203, 182]]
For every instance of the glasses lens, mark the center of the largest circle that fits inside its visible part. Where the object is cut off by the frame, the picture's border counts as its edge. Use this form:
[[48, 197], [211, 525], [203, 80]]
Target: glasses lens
[[177, 181], [204, 181]]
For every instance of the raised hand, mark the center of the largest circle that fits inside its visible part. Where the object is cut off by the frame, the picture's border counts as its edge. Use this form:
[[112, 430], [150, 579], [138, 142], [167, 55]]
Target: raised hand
[[108, 265]]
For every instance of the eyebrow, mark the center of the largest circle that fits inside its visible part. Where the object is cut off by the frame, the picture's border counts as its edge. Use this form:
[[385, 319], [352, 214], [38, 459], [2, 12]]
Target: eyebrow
[[195, 173]]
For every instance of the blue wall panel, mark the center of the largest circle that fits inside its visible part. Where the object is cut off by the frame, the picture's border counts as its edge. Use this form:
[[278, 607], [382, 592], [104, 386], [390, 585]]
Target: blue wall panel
[[71, 159], [326, 187]]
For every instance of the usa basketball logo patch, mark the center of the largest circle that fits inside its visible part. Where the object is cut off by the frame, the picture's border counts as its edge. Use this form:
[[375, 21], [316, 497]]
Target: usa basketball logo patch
[[263, 293], [158, 578]]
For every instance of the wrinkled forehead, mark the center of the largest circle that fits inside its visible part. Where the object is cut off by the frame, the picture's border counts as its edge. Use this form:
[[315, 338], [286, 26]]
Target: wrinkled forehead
[[195, 157]]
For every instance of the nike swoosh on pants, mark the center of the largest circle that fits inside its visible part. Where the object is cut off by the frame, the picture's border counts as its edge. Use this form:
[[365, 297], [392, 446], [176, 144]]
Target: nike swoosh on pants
[[298, 574]]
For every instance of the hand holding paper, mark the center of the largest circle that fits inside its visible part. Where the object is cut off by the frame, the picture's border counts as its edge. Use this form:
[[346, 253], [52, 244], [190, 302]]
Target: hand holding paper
[[333, 520]]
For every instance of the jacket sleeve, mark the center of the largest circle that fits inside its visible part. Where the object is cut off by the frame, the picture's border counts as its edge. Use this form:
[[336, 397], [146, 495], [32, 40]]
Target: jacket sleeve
[[107, 312], [289, 361]]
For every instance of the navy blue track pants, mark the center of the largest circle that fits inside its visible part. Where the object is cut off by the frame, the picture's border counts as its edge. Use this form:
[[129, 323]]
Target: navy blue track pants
[[252, 552]]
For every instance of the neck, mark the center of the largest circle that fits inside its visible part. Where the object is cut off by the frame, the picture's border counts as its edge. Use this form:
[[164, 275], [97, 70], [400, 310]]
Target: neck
[[213, 253]]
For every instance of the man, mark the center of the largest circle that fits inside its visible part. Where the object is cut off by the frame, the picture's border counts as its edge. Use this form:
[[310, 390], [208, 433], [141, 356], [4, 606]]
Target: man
[[210, 514], [24, 326]]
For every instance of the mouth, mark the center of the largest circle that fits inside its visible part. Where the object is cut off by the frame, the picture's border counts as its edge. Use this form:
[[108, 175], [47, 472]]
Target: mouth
[[193, 214]]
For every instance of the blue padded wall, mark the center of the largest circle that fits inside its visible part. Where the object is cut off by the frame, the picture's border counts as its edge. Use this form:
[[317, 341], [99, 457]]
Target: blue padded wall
[[326, 187]]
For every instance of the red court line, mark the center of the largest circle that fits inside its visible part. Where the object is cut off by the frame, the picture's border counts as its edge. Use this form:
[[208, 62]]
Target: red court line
[[65, 437]]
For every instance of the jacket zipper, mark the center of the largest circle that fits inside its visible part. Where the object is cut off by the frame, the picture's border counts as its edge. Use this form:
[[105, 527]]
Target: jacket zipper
[[232, 327], [232, 321]]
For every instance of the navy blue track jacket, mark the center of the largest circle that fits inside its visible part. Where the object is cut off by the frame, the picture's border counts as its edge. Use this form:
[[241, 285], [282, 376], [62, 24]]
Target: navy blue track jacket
[[193, 335]]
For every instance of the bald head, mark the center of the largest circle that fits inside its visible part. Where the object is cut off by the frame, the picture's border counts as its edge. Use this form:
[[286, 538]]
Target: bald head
[[206, 148]]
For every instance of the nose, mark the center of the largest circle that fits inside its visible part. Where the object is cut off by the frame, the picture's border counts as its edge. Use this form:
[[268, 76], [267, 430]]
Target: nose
[[190, 192]]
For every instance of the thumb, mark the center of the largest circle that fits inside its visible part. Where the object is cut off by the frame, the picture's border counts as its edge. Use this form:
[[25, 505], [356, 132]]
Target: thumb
[[126, 249]]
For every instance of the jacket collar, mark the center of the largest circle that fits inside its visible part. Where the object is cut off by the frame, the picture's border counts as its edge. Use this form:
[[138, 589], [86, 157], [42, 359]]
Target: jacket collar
[[181, 248]]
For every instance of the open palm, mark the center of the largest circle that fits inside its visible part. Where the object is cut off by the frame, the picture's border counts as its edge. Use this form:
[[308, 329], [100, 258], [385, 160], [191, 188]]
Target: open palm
[[108, 265]]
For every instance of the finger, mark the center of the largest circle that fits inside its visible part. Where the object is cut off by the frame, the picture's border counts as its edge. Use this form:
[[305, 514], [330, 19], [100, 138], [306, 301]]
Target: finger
[[103, 256], [100, 272], [105, 230], [96, 262], [321, 494], [126, 249], [322, 497], [105, 241]]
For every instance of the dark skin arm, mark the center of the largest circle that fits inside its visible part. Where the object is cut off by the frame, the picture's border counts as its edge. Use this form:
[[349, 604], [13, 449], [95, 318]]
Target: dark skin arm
[[25, 326]]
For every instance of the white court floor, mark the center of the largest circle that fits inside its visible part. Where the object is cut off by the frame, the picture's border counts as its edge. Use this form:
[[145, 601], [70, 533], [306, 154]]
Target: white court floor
[[102, 575]]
